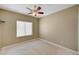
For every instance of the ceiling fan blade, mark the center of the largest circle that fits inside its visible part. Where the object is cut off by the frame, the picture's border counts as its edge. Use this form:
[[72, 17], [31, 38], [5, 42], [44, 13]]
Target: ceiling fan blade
[[39, 8], [29, 13], [40, 12], [29, 9]]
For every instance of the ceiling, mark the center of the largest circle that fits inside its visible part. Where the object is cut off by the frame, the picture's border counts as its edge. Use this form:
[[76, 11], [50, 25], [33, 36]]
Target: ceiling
[[46, 8]]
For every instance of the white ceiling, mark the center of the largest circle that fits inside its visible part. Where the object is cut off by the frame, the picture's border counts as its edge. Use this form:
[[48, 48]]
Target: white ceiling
[[47, 8]]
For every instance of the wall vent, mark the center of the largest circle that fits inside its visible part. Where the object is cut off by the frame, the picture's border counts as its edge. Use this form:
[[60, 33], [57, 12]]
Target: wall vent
[[1, 21]]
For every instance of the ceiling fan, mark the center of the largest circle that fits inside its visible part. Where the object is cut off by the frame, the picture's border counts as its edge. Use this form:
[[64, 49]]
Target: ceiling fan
[[36, 11]]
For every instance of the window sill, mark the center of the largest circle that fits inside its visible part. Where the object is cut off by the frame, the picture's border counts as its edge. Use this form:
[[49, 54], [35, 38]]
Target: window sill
[[24, 36]]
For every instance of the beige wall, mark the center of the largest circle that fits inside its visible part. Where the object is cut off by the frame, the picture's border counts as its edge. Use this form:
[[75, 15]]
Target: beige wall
[[0, 35], [61, 28], [78, 29], [8, 29]]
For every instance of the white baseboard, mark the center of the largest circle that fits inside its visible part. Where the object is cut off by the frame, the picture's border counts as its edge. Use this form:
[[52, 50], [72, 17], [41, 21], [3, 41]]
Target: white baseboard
[[70, 50]]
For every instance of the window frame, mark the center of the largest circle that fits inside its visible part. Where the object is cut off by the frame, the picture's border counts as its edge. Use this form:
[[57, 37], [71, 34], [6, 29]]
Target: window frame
[[24, 27]]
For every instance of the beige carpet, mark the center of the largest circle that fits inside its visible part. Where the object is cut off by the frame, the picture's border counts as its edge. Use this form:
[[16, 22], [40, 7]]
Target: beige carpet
[[33, 47]]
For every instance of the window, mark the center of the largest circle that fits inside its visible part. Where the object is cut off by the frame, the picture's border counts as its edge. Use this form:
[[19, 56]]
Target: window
[[24, 28]]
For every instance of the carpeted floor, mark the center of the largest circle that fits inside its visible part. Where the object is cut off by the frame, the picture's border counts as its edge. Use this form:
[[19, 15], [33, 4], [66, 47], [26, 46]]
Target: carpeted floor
[[33, 47]]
